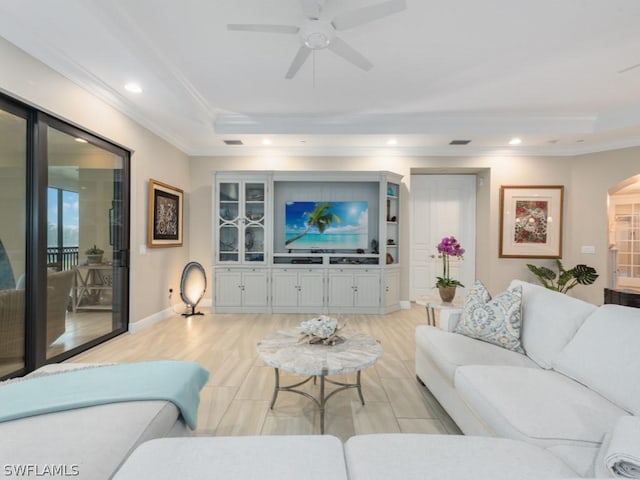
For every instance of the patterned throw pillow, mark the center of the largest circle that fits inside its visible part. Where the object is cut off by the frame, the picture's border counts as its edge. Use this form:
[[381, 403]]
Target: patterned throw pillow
[[497, 321]]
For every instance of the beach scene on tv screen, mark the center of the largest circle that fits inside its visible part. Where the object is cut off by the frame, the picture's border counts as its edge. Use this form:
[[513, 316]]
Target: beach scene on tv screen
[[326, 225]]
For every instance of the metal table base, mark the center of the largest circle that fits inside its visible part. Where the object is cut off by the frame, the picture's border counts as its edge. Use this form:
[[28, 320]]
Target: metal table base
[[321, 402]]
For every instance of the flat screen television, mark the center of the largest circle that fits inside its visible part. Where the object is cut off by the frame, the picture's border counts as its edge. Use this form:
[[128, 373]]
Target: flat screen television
[[326, 225]]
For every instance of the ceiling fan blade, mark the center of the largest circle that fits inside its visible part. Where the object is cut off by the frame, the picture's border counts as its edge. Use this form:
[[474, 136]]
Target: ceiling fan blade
[[312, 8], [260, 28], [343, 49], [368, 14], [298, 61]]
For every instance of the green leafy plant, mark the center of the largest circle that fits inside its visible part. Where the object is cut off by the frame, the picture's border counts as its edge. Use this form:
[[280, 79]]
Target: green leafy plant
[[566, 279], [94, 250]]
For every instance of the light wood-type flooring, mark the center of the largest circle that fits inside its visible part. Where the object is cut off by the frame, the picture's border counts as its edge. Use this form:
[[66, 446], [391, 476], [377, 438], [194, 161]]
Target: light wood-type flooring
[[236, 399]]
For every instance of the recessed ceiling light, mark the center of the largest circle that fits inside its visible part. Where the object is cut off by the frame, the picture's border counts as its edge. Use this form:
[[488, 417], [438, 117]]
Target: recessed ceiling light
[[392, 141], [80, 140], [515, 141], [133, 87], [266, 141]]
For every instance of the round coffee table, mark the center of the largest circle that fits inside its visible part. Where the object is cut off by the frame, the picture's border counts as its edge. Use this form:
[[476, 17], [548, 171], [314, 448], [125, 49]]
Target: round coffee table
[[283, 350]]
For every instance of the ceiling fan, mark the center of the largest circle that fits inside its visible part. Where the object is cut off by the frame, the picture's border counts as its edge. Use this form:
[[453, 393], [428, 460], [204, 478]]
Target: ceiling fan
[[317, 33]]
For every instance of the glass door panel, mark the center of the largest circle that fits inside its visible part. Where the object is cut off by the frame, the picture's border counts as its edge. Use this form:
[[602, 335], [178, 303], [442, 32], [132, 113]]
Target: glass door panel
[[84, 291], [228, 221], [254, 213], [13, 202]]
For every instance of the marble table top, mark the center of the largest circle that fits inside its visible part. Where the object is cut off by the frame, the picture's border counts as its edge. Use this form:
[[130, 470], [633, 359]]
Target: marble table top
[[283, 350]]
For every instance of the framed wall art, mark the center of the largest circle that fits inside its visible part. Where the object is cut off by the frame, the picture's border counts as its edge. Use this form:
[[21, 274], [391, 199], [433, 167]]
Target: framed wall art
[[165, 215], [531, 221]]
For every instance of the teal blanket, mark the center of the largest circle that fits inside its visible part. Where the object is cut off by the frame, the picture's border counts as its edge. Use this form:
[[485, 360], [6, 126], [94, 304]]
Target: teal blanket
[[176, 381]]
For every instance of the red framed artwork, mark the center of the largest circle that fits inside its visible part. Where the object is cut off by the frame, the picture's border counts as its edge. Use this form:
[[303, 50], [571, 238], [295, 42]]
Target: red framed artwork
[[531, 221]]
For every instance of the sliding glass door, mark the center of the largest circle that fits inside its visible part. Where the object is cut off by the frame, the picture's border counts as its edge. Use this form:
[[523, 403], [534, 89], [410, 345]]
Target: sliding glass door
[[64, 239], [13, 201], [85, 270]]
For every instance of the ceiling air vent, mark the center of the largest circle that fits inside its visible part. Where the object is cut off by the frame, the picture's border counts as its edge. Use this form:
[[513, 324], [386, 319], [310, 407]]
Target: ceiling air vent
[[233, 142], [459, 142]]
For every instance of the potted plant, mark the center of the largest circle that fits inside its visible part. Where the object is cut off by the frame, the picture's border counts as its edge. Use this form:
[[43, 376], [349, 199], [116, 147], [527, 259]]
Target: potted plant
[[447, 248], [94, 255], [566, 279]]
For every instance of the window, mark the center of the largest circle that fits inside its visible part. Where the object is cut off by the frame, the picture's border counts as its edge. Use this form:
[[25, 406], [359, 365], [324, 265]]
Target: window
[[62, 228]]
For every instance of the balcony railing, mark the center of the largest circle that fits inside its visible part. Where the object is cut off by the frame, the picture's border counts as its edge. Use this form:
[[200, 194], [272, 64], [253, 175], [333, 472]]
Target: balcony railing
[[62, 258]]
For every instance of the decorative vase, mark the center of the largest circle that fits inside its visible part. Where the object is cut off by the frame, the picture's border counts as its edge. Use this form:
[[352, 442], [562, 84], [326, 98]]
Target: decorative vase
[[447, 293]]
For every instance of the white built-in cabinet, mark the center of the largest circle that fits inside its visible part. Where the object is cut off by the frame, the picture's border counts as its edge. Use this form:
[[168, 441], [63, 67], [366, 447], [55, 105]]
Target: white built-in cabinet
[[255, 270], [239, 289], [354, 290], [297, 290], [391, 288]]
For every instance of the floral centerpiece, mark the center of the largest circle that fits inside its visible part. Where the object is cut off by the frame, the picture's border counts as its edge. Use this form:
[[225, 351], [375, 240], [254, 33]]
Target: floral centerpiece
[[447, 248], [322, 329]]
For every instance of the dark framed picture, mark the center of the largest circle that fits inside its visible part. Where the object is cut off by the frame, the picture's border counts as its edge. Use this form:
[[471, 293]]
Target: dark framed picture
[[531, 221], [165, 215]]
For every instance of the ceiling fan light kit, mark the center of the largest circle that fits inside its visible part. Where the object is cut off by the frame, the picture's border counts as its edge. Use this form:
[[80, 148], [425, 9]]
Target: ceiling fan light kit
[[317, 33]]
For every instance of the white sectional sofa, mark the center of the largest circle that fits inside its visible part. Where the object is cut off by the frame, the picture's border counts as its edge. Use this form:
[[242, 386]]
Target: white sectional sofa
[[579, 375], [88, 443]]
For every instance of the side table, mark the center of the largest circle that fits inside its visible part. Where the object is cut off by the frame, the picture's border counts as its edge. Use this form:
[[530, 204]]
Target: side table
[[90, 280], [434, 302]]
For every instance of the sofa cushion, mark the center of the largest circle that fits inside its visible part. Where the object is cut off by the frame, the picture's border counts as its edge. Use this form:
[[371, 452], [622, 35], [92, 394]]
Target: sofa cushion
[[496, 321], [605, 355], [96, 439], [549, 320], [536, 405], [239, 458], [449, 351], [451, 457]]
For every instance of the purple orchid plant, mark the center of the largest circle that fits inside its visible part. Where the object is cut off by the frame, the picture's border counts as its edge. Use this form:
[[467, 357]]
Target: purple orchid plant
[[447, 248]]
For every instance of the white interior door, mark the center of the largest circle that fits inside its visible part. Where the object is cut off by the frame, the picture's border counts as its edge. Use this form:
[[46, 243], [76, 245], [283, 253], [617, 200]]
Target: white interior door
[[441, 206]]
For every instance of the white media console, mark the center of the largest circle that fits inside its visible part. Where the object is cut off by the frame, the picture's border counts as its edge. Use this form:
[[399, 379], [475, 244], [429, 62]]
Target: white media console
[[266, 258]]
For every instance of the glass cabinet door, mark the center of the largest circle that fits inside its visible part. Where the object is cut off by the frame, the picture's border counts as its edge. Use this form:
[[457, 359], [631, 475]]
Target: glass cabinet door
[[228, 222], [241, 222], [254, 214]]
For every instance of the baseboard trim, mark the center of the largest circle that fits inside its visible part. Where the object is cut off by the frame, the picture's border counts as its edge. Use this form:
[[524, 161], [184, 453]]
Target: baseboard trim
[[405, 304], [162, 315], [151, 320]]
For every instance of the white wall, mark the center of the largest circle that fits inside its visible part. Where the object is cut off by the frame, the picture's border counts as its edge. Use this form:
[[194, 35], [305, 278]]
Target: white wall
[[27, 79]]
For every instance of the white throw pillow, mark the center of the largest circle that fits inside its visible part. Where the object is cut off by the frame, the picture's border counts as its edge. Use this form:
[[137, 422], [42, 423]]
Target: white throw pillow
[[604, 355], [549, 321], [496, 321]]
